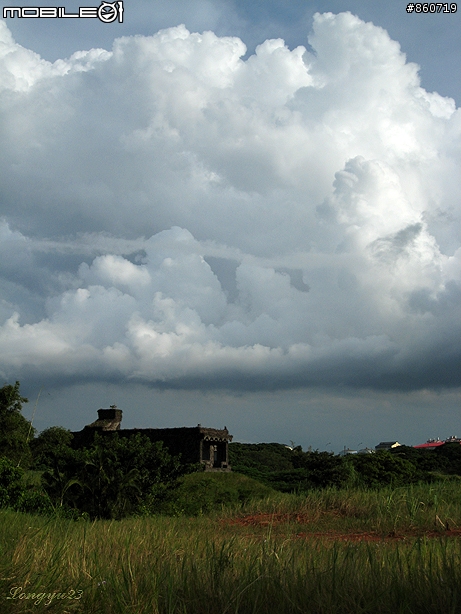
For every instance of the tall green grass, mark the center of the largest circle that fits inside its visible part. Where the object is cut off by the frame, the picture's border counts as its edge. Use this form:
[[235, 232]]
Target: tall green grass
[[207, 565], [422, 507]]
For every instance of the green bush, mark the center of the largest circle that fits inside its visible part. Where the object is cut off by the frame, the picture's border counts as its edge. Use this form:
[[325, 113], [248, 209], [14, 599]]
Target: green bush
[[112, 477], [34, 501], [245, 457], [51, 444], [15, 430], [11, 486], [203, 493], [289, 470], [382, 469], [293, 470], [18, 493], [449, 458]]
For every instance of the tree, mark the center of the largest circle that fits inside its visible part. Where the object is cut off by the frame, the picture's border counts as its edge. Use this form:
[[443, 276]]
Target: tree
[[382, 469], [15, 430], [112, 477], [52, 443], [11, 487], [10, 399]]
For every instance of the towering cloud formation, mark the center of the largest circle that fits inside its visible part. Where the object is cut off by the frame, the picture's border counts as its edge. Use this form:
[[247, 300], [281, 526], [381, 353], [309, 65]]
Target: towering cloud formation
[[173, 214]]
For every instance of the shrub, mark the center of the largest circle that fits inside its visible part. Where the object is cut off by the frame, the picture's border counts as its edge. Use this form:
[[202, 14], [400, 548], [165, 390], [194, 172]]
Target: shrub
[[382, 469], [202, 493], [51, 444], [14, 428], [11, 487], [34, 501], [112, 477]]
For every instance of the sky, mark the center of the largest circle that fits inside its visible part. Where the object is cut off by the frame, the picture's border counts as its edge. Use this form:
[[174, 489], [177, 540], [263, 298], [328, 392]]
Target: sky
[[234, 213]]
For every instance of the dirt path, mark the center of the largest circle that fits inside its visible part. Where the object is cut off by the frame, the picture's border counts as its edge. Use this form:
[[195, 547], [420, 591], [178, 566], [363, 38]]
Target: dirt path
[[278, 520]]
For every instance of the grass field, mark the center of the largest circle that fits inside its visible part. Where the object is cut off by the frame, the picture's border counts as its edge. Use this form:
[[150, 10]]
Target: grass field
[[329, 552]]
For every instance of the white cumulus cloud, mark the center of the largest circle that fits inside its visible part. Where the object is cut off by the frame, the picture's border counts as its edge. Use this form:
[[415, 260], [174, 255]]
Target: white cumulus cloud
[[177, 215]]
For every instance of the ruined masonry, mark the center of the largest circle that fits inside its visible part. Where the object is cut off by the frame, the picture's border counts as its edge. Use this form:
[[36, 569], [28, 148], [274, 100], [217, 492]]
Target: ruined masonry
[[196, 444]]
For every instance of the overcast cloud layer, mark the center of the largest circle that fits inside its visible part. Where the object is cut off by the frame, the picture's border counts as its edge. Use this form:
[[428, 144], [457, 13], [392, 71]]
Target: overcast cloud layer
[[177, 216]]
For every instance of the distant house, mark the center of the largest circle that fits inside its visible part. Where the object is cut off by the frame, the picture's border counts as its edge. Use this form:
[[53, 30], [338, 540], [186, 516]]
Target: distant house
[[196, 444], [432, 444], [387, 445], [347, 451]]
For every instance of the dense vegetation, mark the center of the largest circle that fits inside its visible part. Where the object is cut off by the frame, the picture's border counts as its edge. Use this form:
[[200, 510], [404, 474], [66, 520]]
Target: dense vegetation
[[287, 531], [293, 470], [113, 478], [15, 430]]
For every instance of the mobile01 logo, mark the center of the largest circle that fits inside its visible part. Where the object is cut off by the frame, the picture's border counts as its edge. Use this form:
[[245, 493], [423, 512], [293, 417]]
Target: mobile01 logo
[[107, 12]]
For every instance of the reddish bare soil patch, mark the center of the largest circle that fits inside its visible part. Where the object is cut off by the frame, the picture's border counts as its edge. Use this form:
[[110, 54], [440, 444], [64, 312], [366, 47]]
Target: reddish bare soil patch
[[278, 520], [265, 520]]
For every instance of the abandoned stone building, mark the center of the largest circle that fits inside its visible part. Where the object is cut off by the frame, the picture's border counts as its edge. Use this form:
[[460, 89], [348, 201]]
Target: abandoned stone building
[[196, 444]]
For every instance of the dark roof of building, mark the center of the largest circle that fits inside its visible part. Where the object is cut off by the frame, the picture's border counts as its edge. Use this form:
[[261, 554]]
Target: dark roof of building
[[208, 434], [110, 420]]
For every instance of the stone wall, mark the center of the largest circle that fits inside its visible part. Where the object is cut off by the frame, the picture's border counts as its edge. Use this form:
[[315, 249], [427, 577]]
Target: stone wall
[[195, 444]]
